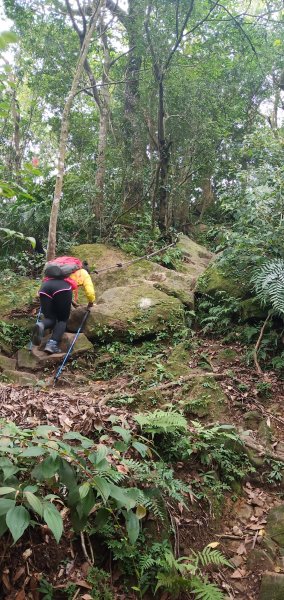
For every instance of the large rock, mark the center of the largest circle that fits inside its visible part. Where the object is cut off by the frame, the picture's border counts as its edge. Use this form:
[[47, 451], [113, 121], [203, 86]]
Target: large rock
[[130, 312], [275, 526], [213, 280], [19, 377], [36, 358], [272, 587], [7, 363], [196, 257], [179, 284]]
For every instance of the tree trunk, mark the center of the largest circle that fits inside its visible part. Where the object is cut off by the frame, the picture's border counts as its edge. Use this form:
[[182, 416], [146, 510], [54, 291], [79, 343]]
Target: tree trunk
[[51, 246], [16, 136], [164, 161], [104, 109], [133, 148]]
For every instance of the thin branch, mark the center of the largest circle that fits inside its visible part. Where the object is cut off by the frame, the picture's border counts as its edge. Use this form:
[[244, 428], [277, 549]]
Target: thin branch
[[178, 41], [73, 20], [117, 12], [98, 85], [257, 345], [120, 56], [157, 71], [202, 20], [177, 24], [237, 23]]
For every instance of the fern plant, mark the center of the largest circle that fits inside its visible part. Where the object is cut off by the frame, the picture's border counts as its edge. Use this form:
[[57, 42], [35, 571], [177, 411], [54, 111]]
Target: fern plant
[[185, 574], [268, 282], [161, 421]]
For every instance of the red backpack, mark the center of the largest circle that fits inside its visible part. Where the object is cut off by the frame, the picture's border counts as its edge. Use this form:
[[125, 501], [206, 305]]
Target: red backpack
[[62, 267]]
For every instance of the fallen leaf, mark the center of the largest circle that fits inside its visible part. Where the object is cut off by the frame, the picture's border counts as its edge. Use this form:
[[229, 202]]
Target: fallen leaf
[[19, 574], [241, 549], [213, 545], [238, 574], [21, 595], [87, 597], [83, 583], [27, 554], [6, 581], [237, 560]]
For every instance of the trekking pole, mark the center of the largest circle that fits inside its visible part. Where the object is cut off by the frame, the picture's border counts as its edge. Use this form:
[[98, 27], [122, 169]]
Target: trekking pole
[[60, 369], [37, 321]]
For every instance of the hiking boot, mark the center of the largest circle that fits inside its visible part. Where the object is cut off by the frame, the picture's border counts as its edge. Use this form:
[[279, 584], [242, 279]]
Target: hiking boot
[[52, 347], [37, 334]]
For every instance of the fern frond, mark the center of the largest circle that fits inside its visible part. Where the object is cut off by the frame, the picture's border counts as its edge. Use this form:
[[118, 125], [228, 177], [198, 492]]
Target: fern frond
[[268, 283], [209, 556], [203, 590], [161, 421]]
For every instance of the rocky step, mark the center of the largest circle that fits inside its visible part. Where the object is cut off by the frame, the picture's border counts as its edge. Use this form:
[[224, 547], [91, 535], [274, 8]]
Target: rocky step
[[35, 359]]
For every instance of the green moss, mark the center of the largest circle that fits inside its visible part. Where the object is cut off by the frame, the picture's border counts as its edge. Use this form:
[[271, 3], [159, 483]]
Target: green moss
[[213, 280], [251, 309], [16, 297], [204, 396]]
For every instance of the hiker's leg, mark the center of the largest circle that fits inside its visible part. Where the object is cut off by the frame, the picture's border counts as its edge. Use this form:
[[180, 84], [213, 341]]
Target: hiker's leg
[[46, 305], [62, 306]]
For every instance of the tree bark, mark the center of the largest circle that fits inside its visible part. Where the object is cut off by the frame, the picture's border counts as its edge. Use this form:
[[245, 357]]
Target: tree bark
[[133, 149], [104, 109], [51, 246]]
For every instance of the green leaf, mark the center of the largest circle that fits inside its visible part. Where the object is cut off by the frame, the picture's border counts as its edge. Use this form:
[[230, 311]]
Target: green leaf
[[124, 433], [33, 451], [125, 497], [17, 519], [53, 520], [84, 490], [103, 487], [132, 525], [46, 469], [3, 525], [6, 490], [120, 446], [102, 517], [34, 502], [5, 505], [141, 448], [44, 429]]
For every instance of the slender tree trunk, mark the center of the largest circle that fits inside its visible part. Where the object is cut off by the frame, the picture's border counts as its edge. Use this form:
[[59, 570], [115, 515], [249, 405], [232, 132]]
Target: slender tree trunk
[[16, 135], [51, 247], [164, 162], [133, 147], [104, 109]]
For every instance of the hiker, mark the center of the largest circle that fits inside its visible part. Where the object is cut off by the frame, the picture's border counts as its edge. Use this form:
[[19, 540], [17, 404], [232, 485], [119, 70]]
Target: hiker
[[61, 277]]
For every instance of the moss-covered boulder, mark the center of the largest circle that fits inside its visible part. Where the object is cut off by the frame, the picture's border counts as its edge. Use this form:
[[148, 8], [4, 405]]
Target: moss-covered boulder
[[214, 280], [7, 363], [179, 284], [204, 396], [272, 587], [131, 313], [178, 360], [19, 377], [275, 526], [252, 309], [15, 300]]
